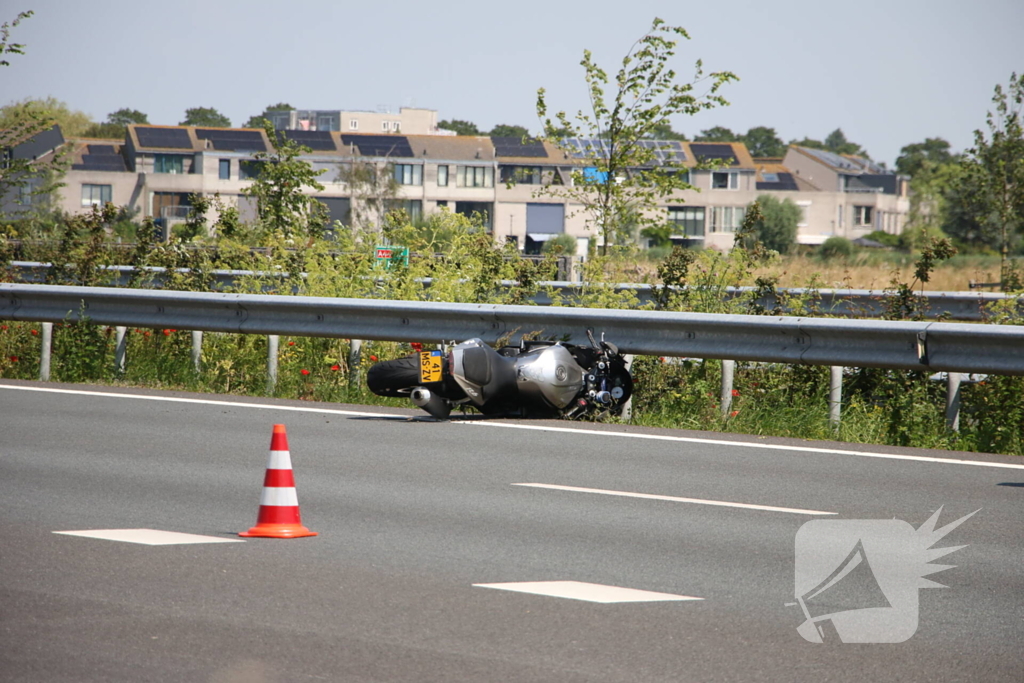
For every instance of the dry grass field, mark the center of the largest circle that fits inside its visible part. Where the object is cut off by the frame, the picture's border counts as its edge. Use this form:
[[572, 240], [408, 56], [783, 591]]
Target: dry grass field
[[875, 271]]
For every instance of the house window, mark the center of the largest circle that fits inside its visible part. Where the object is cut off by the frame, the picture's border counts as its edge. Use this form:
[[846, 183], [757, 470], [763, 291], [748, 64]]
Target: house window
[[168, 163], [863, 215], [727, 218], [397, 126], [385, 126], [724, 180], [225, 169], [409, 174], [524, 175], [353, 124], [689, 220], [413, 208], [474, 176], [442, 176], [96, 195], [174, 205], [249, 169], [325, 123]]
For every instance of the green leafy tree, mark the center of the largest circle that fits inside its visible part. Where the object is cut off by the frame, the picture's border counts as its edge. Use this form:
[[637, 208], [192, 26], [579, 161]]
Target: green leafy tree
[[50, 110], [836, 142], [6, 46], [116, 124], [460, 127], [256, 120], [25, 180], [283, 205], [762, 141], [373, 190], [994, 173], [621, 184], [809, 143], [505, 130], [776, 229], [206, 117], [915, 157], [664, 132], [717, 134]]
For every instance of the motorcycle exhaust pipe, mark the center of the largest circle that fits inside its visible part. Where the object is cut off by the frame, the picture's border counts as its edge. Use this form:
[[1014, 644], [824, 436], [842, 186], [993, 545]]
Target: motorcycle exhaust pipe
[[432, 403]]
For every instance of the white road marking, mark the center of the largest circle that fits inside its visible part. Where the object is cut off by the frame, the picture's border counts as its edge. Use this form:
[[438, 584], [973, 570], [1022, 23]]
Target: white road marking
[[591, 592], [698, 501], [540, 428], [148, 536]]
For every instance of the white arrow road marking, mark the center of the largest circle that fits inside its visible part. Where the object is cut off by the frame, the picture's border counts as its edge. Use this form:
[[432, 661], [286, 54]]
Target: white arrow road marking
[[591, 592], [675, 499], [148, 536]]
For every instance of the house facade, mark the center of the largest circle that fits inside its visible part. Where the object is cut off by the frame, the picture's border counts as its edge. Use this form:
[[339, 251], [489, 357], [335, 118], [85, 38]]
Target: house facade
[[513, 184]]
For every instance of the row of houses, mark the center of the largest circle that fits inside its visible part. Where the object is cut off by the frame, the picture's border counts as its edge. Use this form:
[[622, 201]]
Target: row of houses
[[155, 169]]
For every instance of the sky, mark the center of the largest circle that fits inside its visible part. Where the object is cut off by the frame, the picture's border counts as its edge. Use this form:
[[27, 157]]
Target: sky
[[888, 73]]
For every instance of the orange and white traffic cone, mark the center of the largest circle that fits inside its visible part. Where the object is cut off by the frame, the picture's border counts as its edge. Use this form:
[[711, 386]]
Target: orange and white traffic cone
[[279, 504]]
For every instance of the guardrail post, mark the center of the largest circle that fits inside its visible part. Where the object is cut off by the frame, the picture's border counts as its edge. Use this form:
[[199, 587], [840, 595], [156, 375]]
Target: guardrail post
[[273, 341], [120, 347], [197, 350], [835, 395], [355, 353], [728, 370], [44, 353], [953, 401], [627, 407]]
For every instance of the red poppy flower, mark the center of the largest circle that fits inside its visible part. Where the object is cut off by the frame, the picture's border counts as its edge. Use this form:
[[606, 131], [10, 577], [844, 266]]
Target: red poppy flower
[[291, 343], [335, 367], [734, 413], [3, 328], [373, 358], [167, 333], [735, 392], [36, 332], [304, 371], [14, 359], [416, 346], [146, 333]]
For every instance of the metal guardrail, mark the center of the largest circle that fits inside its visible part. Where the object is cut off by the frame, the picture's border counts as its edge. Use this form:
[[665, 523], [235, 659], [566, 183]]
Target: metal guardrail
[[848, 303], [957, 347]]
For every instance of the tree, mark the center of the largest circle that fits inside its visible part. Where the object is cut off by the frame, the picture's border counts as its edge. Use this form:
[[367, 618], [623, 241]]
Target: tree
[[23, 122], [6, 46], [664, 132], [836, 142], [994, 171], [717, 134], [504, 130], [373, 189], [777, 227], [116, 124], [914, 157], [206, 117], [50, 110], [280, 189], [620, 183], [256, 120], [762, 141], [809, 143], [460, 127]]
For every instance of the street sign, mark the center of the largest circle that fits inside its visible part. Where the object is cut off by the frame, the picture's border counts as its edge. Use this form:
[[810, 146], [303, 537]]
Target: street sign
[[389, 255]]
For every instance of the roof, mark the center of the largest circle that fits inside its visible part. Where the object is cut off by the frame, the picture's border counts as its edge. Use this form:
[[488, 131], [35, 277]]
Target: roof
[[844, 163], [98, 155], [775, 176]]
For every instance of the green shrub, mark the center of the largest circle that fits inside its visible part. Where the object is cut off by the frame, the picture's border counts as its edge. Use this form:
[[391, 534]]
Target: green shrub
[[836, 247]]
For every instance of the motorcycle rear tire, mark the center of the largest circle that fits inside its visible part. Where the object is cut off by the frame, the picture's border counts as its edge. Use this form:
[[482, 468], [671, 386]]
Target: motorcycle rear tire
[[394, 377]]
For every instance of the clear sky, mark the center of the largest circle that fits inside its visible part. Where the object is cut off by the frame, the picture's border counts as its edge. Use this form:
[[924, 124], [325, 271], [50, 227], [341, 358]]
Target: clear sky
[[888, 72]]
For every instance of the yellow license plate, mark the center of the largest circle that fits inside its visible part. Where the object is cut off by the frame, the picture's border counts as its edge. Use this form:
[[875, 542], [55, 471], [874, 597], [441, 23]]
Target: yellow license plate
[[430, 366]]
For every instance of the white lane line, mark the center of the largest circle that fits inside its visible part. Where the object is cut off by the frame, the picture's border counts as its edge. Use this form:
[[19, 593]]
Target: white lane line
[[675, 499], [591, 592], [566, 430], [148, 536], [745, 444]]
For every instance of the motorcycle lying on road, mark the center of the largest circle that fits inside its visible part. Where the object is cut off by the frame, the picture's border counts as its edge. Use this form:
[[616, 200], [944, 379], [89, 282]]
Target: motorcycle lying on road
[[534, 379]]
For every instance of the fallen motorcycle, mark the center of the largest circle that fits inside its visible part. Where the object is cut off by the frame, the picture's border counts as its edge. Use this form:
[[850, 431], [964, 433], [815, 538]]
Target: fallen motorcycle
[[533, 379]]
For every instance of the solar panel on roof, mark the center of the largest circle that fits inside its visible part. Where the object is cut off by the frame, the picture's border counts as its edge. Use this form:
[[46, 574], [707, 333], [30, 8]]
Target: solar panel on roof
[[714, 151], [233, 140], [100, 162], [515, 147], [380, 145], [783, 181], [831, 159], [101, 150], [318, 140], [163, 138]]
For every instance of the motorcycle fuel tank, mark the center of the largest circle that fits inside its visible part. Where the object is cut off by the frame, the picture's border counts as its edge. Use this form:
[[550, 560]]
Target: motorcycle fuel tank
[[549, 374]]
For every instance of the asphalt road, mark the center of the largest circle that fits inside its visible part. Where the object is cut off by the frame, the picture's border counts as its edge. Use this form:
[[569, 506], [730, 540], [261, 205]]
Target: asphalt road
[[412, 513]]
